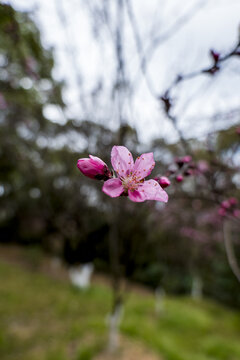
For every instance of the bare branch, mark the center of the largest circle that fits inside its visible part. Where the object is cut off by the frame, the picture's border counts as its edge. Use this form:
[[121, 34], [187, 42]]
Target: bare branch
[[70, 51], [179, 23]]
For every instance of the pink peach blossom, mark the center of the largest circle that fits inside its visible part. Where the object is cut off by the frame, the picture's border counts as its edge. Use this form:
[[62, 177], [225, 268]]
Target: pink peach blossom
[[236, 213], [225, 204], [222, 211], [163, 181], [179, 178], [232, 201], [94, 168], [183, 160], [130, 177], [203, 166]]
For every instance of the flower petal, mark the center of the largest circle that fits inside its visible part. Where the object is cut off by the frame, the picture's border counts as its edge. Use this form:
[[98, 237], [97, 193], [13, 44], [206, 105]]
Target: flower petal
[[97, 160], [153, 191], [88, 167], [137, 196], [143, 165], [113, 187], [94, 168], [122, 160]]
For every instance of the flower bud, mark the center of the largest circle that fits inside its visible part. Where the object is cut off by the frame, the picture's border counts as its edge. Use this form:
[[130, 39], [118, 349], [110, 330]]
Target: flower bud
[[215, 55], [179, 178], [186, 159], [236, 213], [203, 166], [222, 211], [232, 201], [183, 160], [188, 172], [179, 161], [94, 168], [163, 181], [225, 204]]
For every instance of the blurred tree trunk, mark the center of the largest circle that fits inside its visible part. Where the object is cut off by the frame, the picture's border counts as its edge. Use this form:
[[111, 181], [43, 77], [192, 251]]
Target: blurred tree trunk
[[197, 287]]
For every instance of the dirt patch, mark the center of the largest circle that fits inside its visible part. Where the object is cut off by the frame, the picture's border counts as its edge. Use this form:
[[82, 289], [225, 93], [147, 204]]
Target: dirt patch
[[21, 330], [129, 350]]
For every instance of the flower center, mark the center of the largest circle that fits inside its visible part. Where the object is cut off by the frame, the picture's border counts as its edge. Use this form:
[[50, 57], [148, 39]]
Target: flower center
[[130, 182]]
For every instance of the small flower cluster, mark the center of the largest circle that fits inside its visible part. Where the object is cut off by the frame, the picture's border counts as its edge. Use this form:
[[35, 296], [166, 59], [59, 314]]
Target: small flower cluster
[[130, 176], [183, 166], [229, 207]]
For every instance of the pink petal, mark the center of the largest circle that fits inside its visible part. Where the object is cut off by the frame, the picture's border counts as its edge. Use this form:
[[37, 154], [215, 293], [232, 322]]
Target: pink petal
[[137, 196], [144, 165], [163, 181], [153, 191], [94, 168], [97, 160], [113, 187], [122, 160], [87, 168]]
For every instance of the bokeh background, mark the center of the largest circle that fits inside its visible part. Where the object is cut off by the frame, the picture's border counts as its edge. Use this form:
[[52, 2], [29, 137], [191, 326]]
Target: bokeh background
[[76, 78]]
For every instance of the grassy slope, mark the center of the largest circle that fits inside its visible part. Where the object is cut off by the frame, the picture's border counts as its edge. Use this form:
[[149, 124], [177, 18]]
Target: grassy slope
[[44, 319]]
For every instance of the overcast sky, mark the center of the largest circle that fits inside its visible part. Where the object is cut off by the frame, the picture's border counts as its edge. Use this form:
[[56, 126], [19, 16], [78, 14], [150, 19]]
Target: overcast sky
[[214, 25]]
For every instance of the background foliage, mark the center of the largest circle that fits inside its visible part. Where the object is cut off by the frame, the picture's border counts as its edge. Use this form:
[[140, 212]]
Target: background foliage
[[44, 200]]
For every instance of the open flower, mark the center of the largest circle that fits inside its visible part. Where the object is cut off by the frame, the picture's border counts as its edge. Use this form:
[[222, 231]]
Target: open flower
[[94, 168], [130, 177]]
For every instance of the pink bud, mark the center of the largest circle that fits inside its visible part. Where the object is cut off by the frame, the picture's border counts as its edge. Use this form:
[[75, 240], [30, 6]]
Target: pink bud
[[179, 178], [222, 211], [94, 168], [188, 172], [236, 213], [179, 161], [183, 160], [163, 181], [215, 55], [238, 130], [203, 166], [186, 159], [232, 201], [225, 204]]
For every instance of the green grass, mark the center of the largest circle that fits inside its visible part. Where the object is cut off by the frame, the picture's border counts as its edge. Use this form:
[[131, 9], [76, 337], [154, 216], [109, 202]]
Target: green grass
[[41, 318]]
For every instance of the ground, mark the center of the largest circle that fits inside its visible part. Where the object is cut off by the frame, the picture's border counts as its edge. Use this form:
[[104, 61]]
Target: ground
[[44, 317]]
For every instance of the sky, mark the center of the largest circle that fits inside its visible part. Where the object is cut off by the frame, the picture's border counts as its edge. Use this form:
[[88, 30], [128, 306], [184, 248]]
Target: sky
[[85, 60]]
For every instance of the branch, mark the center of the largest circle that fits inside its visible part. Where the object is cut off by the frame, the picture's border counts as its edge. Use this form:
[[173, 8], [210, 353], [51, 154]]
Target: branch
[[167, 99], [217, 60], [70, 51], [180, 22]]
